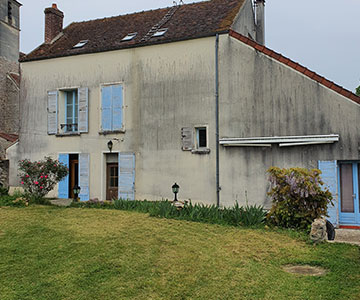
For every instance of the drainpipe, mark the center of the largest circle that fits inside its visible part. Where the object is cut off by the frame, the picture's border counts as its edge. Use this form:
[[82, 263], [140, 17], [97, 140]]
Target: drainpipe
[[217, 119]]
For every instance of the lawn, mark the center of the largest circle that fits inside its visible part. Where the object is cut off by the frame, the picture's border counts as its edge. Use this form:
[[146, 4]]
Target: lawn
[[57, 253]]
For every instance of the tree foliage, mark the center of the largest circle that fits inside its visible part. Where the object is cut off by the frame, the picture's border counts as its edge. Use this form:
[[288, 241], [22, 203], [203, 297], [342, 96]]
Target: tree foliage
[[39, 177], [357, 91], [298, 197]]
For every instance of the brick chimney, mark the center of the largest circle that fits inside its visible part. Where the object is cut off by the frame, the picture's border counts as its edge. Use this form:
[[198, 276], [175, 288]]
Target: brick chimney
[[260, 21], [53, 22]]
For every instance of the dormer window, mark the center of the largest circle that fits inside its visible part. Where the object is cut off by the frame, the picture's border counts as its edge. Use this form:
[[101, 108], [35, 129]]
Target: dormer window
[[160, 32], [80, 44], [129, 37]]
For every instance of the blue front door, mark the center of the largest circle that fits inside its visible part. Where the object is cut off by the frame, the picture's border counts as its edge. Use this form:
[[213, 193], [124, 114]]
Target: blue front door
[[349, 177]]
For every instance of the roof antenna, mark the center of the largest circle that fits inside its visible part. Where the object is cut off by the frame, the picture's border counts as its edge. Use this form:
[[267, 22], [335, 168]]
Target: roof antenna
[[181, 2], [174, 2]]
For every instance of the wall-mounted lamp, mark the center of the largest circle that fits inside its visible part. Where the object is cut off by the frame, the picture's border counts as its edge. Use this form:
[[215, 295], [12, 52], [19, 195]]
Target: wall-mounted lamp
[[110, 145]]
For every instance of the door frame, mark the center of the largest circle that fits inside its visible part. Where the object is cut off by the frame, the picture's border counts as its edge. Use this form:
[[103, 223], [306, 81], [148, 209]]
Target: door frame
[[352, 219], [108, 165]]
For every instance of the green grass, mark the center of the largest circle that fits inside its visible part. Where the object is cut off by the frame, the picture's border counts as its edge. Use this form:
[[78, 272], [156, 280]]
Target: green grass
[[55, 253]]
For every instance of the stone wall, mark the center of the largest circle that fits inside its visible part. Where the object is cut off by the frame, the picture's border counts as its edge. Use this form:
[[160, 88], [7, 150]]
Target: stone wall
[[9, 98], [4, 173]]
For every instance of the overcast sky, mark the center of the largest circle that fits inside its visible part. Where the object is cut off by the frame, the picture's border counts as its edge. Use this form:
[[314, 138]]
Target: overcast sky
[[322, 35]]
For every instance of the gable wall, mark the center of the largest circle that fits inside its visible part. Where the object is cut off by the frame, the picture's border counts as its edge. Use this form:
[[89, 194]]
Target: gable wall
[[262, 97]]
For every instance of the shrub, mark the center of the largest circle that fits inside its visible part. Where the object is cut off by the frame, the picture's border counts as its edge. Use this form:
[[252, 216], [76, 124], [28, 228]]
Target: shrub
[[298, 197], [39, 178], [3, 191]]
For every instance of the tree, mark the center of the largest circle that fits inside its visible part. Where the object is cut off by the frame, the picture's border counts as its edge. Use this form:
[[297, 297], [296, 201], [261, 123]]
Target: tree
[[357, 92], [39, 177]]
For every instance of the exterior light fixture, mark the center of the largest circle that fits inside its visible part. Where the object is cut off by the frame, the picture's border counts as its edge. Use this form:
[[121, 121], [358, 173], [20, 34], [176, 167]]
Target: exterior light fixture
[[175, 189], [76, 191], [110, 145]]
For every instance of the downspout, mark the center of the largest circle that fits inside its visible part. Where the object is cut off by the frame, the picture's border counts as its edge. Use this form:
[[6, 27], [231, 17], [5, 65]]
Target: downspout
[[217, 119]]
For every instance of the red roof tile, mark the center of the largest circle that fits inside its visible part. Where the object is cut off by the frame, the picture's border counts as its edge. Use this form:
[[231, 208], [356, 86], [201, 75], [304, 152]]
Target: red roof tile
[[188, 22], [298, 67], [9, 136]]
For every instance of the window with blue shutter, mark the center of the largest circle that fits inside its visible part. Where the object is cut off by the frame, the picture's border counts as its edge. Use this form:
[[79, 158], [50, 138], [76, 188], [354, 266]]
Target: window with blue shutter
[[329, 177], [63, 186], [112, 108]]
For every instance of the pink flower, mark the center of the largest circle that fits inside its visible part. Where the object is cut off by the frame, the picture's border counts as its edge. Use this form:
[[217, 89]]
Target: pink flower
[[41, 187], [36, 182], [27, 175], [22, 182], [41, 176], [46, 176]]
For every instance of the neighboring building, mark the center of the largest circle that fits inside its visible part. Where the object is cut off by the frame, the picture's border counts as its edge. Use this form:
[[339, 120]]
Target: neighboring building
[[9, 78], [155, 83]]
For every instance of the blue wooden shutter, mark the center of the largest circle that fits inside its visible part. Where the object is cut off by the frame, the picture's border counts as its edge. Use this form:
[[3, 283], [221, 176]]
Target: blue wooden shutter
[[117, 107], [329, 177], [84, 176], [83, 109], [52, 112], [63, 186], [127, 176], [106, 115]]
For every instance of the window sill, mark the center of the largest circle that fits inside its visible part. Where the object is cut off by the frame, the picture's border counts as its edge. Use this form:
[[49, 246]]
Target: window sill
[[68, 134], [201, 151], [111, 132]]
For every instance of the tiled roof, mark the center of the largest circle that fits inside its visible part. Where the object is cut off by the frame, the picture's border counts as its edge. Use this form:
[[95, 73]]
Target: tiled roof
[[296, 66], [9, 137], [188, 22]]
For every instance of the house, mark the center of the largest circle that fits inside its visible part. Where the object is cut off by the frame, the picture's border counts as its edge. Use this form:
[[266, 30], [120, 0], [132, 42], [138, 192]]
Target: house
[[9, 80], [187, 94]]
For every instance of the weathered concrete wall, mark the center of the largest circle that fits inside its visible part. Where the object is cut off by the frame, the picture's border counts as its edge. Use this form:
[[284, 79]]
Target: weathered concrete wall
[[166, 87], [9, 98], [262, 97]]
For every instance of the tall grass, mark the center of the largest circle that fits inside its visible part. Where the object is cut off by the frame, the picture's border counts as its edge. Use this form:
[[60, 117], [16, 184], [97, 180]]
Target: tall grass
[[250, 215]]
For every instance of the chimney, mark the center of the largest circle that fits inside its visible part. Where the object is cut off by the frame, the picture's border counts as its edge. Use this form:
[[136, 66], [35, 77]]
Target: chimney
[[53, 22], [260, 21]]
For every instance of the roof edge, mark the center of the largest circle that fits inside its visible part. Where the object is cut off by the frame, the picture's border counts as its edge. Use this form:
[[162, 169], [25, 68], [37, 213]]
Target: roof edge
[[296, 66], [23, 60]]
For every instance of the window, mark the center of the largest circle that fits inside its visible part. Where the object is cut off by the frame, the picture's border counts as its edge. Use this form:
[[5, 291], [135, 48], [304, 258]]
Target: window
[[71, 111], [80, 44], [129, 37], [112, 108], [201, 137], [160, 32], [9, 11], [68, 111]]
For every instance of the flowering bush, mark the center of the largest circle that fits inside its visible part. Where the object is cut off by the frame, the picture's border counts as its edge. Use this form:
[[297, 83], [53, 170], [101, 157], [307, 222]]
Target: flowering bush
[[298, 197], [39, 178]]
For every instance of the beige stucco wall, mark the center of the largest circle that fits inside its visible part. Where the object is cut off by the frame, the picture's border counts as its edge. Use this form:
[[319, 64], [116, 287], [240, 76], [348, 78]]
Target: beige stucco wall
[[166, 87]]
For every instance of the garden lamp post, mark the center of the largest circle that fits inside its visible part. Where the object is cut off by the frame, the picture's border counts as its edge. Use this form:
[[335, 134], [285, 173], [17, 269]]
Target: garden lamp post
[[175, 189], [110, 145], [76, 191]]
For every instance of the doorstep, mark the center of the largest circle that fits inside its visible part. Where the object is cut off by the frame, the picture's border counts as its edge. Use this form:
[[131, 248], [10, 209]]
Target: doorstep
[[61, 202], [348, 236]]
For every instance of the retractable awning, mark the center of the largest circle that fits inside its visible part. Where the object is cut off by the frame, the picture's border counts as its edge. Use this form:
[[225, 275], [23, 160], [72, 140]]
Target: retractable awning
[[282, 141]]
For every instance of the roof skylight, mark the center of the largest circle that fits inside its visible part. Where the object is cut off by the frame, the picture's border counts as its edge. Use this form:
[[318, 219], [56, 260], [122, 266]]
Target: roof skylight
[[129, 37], [80, 44], [160, 32]]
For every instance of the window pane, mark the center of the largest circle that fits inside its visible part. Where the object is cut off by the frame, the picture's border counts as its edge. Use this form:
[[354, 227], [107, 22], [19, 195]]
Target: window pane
[[202, 137], [346, 185]]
